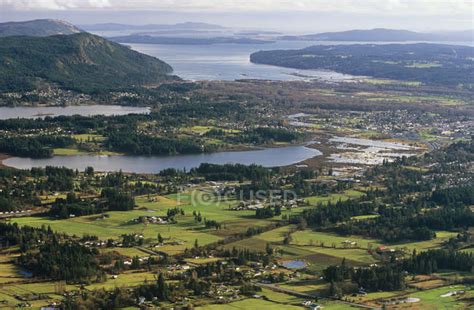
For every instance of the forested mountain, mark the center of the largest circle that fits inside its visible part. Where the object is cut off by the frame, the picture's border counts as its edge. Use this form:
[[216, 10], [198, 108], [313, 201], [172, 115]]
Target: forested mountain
[[37, 28], [387, 35], [437, 64], [82, 62]]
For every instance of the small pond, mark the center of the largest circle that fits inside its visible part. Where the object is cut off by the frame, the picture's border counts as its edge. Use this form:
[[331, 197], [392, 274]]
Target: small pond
[[295, 264]]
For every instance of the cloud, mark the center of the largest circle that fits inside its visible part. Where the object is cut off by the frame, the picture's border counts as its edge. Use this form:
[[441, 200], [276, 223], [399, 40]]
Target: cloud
[[387, 7], [54, 4]]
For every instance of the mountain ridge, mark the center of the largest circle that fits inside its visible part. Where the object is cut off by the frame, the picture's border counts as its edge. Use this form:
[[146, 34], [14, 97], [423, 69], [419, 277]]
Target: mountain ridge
[[38, 28], [81, 62]]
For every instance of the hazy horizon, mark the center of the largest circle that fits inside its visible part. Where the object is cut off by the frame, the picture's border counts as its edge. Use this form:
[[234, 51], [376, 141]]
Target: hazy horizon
[[300, 16]]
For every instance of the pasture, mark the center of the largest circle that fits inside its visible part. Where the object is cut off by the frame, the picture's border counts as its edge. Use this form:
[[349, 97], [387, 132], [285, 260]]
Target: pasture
[[437, 299], [333, 198], [178, 236]]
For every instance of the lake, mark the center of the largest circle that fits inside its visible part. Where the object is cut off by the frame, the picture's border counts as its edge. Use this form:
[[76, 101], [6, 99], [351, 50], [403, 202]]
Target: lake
[[84, 110], [269, 157]]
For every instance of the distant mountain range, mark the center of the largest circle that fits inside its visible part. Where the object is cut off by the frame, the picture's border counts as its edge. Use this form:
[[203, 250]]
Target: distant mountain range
[[179, 26], [81, 62], [164, 32], [381, 34], [37, 28]]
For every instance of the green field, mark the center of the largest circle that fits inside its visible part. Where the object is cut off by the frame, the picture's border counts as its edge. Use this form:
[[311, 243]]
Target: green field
[[364, 217], [313, 287], [185, 232], [197, 129], [391, 82], [50, 288], [251, 304], [74, 151], [469, 250], [316, 256], [320, 258], [424, 65], [259, 242], [431, 299], [280, 297], [67, 152], [129, 252], [321, 249], [126, 279], [311, 237], [88, 137], [333, 198], [441, 236], [9, 273]]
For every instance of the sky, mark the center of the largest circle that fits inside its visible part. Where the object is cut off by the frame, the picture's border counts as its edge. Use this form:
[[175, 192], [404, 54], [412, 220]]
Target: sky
[[284, 15]]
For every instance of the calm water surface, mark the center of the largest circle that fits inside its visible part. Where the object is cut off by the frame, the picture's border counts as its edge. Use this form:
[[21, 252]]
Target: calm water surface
[[270, 157], [295, 264], [231, 62], [84, 110]]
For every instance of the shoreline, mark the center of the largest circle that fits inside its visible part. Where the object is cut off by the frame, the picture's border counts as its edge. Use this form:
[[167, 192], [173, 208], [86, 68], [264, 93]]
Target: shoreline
[[320, 141], [170, 158], [2, 158]]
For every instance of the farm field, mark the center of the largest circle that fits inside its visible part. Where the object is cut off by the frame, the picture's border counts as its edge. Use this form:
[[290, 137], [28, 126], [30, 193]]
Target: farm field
[[432, 299], [88, 137], [251, 304], [280, 297], [185, 232], [313, 287], [310, 237], [318, 257], [68, 152], [333, 198], [315, 238], [258, 243], [321, 249], [441, 236], [50, 289]]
